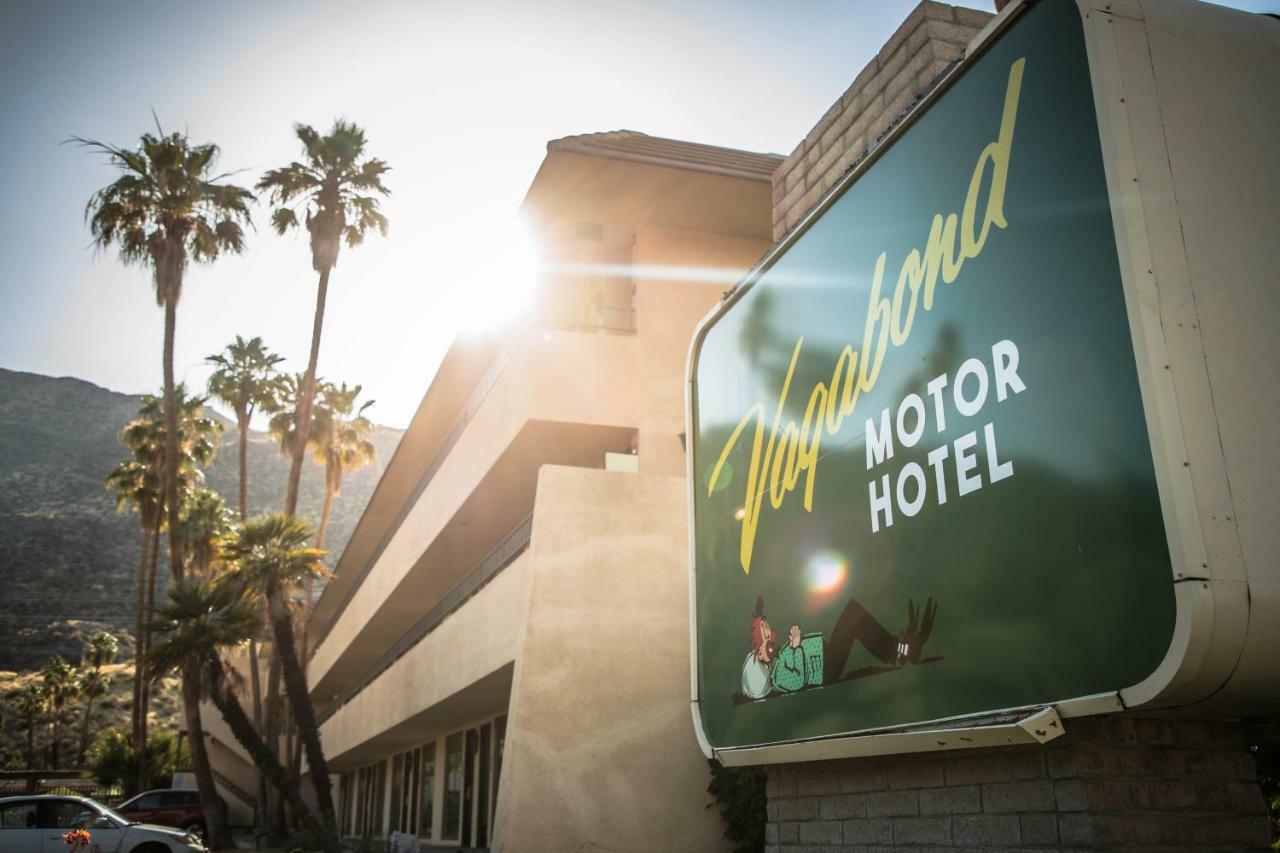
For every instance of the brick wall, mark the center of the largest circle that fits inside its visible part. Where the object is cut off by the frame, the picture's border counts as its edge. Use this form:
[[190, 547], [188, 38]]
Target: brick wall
[[932, 37], [1108, 783]]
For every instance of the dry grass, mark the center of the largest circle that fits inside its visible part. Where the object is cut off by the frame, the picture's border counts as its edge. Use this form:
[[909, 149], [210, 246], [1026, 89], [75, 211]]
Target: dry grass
[[109, 711]]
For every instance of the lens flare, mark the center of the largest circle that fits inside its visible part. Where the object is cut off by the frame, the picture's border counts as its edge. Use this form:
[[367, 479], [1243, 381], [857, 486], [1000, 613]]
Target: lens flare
[[825, 575]]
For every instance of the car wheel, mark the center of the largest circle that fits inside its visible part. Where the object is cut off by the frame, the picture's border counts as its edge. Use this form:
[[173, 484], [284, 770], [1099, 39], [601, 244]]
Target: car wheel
[[197, 829], [150, 847]]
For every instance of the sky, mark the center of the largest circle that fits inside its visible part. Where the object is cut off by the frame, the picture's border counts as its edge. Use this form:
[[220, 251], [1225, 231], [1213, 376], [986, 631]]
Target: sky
[[460, 98]]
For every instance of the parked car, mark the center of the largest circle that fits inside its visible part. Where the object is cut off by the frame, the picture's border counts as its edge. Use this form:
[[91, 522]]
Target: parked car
[[167, 807], [38, 823]]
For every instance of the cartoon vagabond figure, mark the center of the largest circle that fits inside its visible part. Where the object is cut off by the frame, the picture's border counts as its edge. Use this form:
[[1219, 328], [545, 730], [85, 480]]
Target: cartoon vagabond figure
[[807, 661]]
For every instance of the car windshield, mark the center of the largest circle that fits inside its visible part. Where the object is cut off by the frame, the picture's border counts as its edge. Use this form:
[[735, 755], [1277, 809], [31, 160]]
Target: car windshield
[[111, 813]]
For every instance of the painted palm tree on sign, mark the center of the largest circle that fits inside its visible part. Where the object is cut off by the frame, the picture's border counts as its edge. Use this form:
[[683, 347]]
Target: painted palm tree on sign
[[336, 187], [99, 650], [270, 556], [246, 379]]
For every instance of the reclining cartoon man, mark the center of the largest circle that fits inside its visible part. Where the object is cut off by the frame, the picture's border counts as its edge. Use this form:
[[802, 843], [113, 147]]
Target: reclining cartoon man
[[767, 670]]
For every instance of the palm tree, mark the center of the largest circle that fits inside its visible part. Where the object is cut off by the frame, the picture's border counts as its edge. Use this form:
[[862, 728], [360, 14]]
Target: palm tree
[[58, 680], [205, 520], [138, 484], [93, 685], [99, 650], [30, 703], [201, 620], [168, 207], [196, 439], [245, 378], [270, 555], [340, 442], [335, 187]]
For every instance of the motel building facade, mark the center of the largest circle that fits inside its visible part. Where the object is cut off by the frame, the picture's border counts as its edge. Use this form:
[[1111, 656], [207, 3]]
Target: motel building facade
[[557, 561], [500, 657]]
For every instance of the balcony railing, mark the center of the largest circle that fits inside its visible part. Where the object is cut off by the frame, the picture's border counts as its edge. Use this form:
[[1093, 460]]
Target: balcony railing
[[574, 316], [487, 382], [588, 317], [502, 555]]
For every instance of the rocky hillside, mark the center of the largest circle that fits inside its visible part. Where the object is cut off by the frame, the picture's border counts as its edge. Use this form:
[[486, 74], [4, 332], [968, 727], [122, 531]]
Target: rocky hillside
[[68, 560]]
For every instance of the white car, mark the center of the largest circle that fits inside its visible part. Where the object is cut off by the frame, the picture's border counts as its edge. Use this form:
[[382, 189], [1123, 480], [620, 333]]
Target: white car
[[36, 824]]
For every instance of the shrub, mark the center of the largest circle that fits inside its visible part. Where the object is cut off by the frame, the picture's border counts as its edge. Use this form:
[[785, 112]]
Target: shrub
[[113, 760], [740, 795]]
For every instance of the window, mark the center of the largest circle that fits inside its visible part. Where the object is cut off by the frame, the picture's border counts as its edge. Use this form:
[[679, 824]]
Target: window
[[397, 771], [179, 798], [18, 815], [427, 798], [146, 801], [380, 801], [453, 785], [344, 805], [499, 746], [482, 789], [65, 814]]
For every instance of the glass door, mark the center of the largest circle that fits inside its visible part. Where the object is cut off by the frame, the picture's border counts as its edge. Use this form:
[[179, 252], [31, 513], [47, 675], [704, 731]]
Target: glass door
[[469, 786]]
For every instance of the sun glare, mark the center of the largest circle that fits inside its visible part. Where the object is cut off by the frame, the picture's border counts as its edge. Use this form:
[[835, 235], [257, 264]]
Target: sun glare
[[486, 274]]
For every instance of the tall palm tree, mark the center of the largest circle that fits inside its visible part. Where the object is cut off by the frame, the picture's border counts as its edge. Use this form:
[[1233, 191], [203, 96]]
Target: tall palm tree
[[138, 484], [167, 208], [246, 379], [340, 442], [99, 650], [205, 520], [199, 623], [94, 684], [58, 680], [30, 704], [336, 188], [271, 555], [196, 439]]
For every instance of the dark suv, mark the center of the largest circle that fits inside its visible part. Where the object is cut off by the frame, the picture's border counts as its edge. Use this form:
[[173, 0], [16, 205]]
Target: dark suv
[[170, 807]]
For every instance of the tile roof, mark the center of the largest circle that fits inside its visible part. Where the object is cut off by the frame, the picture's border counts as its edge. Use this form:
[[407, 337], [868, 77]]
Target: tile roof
[[675, 153]]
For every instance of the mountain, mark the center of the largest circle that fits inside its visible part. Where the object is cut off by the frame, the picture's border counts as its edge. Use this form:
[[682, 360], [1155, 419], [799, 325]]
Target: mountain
[[68, 559]]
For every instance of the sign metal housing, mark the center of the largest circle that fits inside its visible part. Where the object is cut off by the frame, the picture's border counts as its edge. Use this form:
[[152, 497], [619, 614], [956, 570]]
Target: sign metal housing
[[1060, 531]]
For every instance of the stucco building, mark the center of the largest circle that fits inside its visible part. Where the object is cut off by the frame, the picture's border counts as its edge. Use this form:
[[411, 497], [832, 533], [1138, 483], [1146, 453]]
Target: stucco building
[[501, 654]]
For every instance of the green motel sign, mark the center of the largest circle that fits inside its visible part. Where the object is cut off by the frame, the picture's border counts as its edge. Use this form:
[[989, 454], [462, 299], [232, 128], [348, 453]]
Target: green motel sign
[[921, 478]]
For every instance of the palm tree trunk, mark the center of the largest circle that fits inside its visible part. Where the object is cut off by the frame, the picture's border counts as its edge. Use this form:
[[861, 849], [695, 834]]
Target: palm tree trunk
[[144, 697], [169, 487], [242, 426], [139, 623], [264, 758], [255, 678], [307, 399], [304, 714], [31, 743], [57, 737], [215, 810], [271, 712], [84, 732], [325, 512]]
